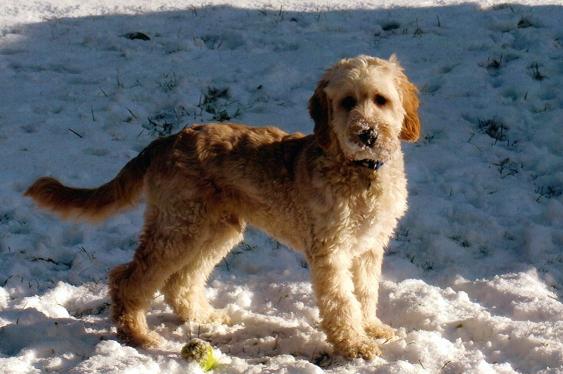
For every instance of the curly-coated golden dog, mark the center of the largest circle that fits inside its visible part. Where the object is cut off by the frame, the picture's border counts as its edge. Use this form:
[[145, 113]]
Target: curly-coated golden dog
[[335, 195]]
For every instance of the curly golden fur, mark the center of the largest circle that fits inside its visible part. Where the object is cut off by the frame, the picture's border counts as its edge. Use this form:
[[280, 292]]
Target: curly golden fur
[[335, 196]]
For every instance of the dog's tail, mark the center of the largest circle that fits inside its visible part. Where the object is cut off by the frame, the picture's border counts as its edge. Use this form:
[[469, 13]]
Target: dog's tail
[[96, 204]]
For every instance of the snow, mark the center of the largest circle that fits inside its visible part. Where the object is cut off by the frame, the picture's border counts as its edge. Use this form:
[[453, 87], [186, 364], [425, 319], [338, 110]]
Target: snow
[[472, 280]]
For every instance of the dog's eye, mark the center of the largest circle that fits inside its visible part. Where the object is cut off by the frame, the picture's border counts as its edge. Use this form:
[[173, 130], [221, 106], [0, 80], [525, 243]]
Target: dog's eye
[[348, 103], [380, 100]]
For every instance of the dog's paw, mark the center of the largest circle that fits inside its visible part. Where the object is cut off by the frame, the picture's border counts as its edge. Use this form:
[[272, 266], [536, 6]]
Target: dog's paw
[[152, 340], [205, 315], [219, 316], [379, 330], [148, 340], [359, 348]]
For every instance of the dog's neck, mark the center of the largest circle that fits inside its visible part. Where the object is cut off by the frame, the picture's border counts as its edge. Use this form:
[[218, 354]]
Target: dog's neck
[[370, 164], [334, 151], [340, 170], [336, 157]]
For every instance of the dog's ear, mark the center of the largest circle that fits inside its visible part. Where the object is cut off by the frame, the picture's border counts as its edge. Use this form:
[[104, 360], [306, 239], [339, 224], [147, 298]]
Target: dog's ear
[[319, 109], [411, 124]]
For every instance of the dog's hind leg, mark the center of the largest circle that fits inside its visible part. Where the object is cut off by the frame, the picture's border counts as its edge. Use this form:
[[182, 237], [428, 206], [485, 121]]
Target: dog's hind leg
[[159, 255], [185, 289]]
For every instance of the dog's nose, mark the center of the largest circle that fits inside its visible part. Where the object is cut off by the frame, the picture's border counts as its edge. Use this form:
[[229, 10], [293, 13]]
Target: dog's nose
[[368, 137]]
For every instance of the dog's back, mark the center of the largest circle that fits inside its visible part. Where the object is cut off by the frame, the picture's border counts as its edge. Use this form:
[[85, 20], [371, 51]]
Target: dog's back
[[196, 157]]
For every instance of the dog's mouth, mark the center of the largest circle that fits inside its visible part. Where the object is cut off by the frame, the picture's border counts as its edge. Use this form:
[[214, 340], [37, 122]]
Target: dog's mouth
[[370, 164]]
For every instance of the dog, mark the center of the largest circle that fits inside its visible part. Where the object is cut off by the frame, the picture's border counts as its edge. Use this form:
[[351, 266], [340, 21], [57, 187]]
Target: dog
[[335, 195]]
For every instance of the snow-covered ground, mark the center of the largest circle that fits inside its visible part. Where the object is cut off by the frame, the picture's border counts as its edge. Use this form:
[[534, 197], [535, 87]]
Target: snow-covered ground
[[473, 280]]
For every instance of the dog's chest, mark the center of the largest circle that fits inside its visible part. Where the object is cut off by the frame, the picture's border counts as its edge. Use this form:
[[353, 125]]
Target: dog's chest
[[373, 218], [363, 224]]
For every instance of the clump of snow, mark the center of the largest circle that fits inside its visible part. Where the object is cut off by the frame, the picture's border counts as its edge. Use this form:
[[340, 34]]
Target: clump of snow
[[4, 298], [472, 280], [110, 356]]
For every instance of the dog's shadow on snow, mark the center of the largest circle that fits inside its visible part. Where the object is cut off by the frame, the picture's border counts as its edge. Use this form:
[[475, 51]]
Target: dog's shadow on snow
[[51, 336], [141, 76]]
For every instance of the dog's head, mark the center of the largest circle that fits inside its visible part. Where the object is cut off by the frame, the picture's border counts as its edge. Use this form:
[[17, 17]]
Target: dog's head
[[363, 107]]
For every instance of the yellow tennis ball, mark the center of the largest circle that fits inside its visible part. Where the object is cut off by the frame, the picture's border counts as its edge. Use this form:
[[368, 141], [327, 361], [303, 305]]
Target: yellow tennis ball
[[201, 352]]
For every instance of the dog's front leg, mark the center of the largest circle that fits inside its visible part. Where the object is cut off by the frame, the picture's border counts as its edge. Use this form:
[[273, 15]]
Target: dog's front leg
[[366, 269], [341, 315]]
